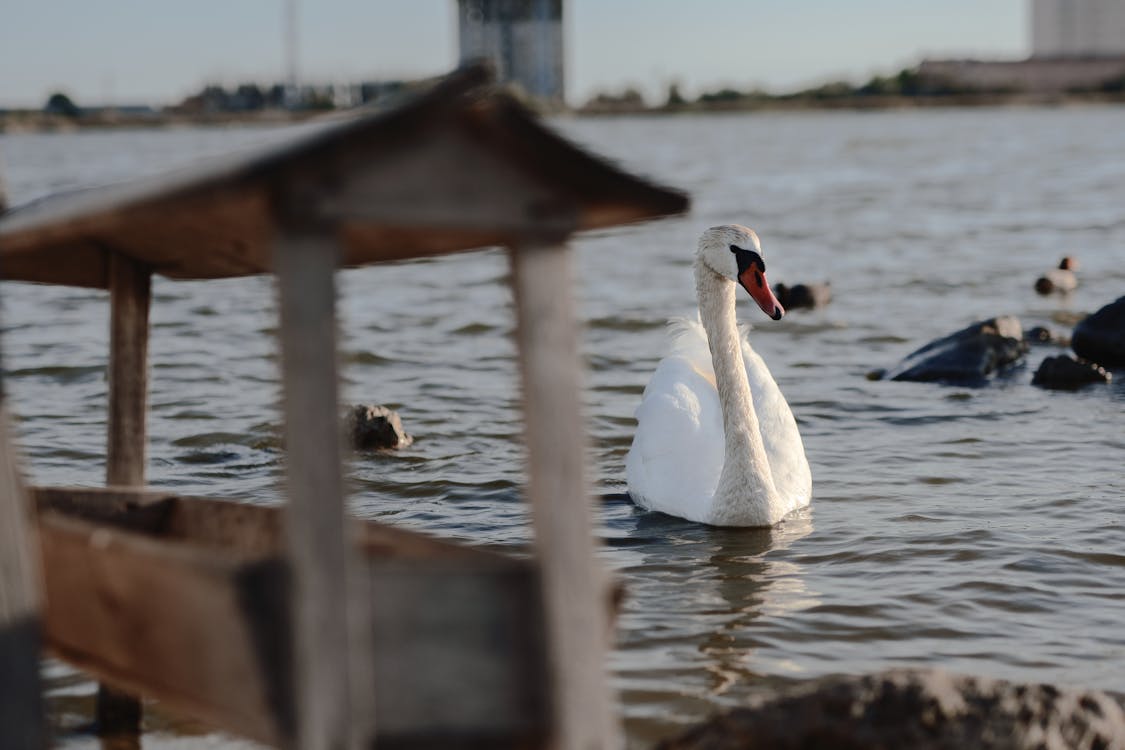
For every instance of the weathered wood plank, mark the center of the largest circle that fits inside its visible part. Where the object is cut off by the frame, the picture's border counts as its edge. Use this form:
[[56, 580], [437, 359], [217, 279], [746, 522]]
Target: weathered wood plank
[[130, 290], [162, 595], [166, 621], [21, 707], [238, 527], [574, 585], [319, 545], [459, 654]]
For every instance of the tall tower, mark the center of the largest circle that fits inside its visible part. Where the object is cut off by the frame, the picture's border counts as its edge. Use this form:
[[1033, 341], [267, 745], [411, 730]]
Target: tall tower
[[1077, 28], [522, 38]]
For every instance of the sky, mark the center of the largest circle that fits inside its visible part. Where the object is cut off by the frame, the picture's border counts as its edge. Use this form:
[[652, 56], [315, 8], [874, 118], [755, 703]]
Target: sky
[[138, 51]]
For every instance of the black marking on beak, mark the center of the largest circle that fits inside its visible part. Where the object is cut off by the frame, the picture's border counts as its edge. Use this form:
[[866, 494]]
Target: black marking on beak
[[746, 259], [776, 313]]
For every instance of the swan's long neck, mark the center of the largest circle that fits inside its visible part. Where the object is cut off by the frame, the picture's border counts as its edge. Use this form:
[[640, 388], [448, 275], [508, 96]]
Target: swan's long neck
[[746, 484]]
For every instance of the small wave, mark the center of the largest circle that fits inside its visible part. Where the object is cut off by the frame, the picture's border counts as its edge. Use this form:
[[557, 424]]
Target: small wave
[[60, 373], [474, 329], [366, 358], [209, 457]]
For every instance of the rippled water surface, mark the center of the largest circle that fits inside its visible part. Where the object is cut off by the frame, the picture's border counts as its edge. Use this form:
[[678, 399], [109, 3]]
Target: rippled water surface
[[980, 530]]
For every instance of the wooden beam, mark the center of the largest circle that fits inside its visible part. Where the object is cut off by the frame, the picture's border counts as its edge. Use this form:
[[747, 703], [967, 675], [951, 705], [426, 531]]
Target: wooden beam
[[3, 190], [199, 630], [130, 295], [185, 600], [320, 548], [21, 703], [572, 581]]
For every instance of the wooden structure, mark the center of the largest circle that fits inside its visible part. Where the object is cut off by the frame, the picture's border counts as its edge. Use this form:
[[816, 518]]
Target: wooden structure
[[298, 626]]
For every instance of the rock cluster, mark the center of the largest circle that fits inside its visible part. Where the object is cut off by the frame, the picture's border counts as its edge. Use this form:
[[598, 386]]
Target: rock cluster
[[916, 709], [971, 356], [1066, 373], [966, 357]]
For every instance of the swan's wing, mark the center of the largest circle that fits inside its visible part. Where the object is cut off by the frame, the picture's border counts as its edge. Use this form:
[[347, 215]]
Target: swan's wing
[[786, 451], [677, 453]]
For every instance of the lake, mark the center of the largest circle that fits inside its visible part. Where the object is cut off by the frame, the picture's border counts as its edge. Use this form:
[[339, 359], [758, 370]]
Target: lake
[[979, 530]]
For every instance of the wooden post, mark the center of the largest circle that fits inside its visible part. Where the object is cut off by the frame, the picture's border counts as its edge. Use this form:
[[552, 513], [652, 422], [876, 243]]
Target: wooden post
[[21, 701], [3, 190], [320, 548], [573, 583], [130, 294]]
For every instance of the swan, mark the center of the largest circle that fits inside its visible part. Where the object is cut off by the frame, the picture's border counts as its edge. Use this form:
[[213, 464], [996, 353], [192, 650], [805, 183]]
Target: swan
[[716, 442]]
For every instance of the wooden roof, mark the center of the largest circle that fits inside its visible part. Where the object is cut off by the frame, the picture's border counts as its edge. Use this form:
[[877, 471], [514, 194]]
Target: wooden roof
[[463, 165]]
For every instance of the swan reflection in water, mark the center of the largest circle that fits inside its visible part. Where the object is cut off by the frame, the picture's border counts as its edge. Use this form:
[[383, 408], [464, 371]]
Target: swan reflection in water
[[704, 606], [755, 584]]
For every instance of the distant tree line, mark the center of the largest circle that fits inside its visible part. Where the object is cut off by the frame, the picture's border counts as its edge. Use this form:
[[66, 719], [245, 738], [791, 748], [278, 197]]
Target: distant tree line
[[906, 83], [246, 97]]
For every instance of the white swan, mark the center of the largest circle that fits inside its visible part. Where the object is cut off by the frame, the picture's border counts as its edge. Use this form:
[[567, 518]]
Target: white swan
[[716, 442]]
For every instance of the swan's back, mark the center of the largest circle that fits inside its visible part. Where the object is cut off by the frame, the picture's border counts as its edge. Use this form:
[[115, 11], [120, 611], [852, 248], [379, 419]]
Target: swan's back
[[676, 458]]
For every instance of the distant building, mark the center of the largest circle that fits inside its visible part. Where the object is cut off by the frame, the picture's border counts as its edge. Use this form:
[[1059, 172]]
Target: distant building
[[1034, 76], [522, 38], [1076, 45], [1077, 28]]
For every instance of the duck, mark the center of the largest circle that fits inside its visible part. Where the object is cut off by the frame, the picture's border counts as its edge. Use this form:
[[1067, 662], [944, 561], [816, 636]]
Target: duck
[[716, 442], [1061, 279], [809, 296]]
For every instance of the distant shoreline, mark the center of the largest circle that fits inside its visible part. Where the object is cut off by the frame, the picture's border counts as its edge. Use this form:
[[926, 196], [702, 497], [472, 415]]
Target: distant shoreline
[[34, 121], [866, 103], [43, 122]]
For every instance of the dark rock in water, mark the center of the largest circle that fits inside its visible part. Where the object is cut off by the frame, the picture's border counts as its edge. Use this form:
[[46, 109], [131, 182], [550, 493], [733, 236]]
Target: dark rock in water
[[803, 295], [966, 357], [915, 710], [374, 427], [1101, 337], [1066, 373], [1061, 279]]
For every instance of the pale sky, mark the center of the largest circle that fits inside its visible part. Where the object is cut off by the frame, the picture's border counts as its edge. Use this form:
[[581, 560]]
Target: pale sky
[[137, 51]]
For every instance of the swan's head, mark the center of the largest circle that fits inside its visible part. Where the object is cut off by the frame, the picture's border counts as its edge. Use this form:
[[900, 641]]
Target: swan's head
[[733, 251]]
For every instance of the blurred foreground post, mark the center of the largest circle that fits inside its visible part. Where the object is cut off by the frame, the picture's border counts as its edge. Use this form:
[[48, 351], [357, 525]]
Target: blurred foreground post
[[21, 704], [574, 587], [320, 548]]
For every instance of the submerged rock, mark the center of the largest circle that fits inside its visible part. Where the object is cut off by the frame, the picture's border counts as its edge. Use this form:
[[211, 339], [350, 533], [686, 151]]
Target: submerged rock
[[1066, 373], [1044, 335], [803, 295], [916, 709], [373, 427], [1101, 337], [966, 357]]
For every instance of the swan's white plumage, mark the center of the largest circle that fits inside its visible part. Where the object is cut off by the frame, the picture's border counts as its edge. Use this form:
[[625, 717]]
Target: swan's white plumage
[[677, 456], [677, 452], [680, 407]]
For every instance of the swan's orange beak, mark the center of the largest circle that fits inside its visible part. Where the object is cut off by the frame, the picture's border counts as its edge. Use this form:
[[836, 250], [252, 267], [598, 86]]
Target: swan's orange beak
[[753, 280]]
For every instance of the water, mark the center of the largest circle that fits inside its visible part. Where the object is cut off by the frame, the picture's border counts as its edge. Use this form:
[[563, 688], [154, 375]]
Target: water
[[979, 530]]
